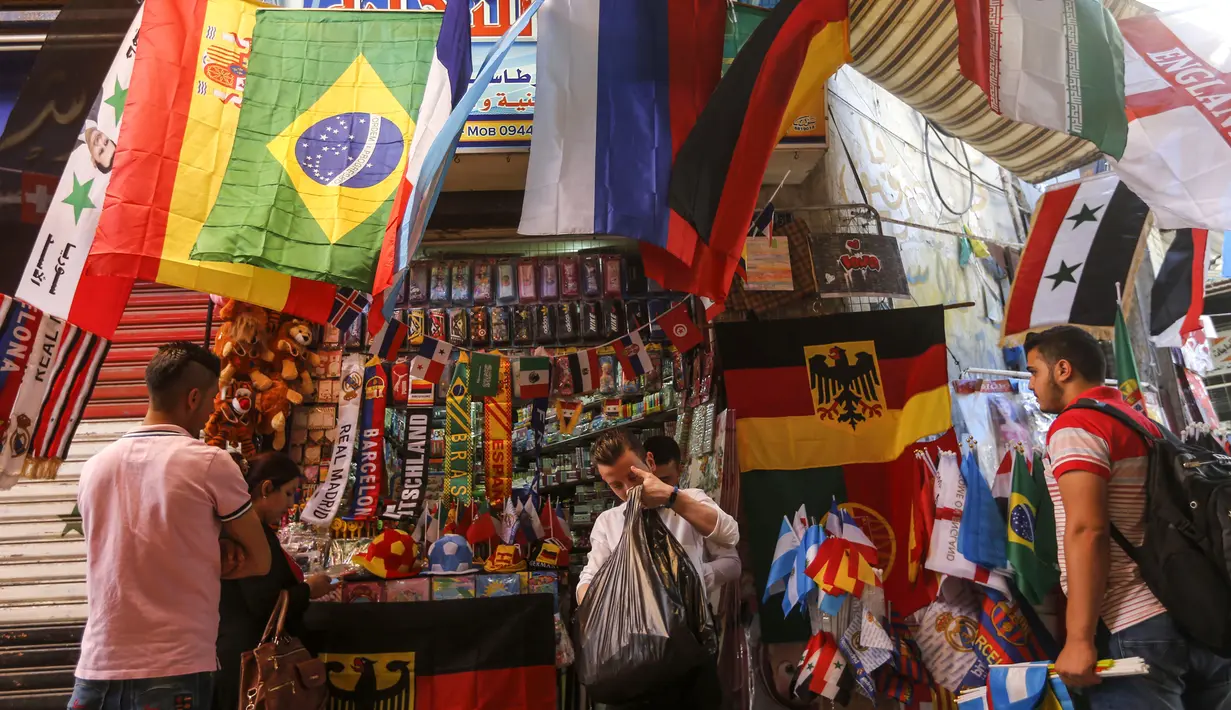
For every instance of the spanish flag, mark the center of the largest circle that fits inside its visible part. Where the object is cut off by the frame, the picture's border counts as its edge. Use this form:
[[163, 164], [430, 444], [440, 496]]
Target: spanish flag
[[832, 408], [182, 111]]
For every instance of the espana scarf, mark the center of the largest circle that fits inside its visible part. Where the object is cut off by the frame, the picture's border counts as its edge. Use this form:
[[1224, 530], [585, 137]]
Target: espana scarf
[[498, 438]]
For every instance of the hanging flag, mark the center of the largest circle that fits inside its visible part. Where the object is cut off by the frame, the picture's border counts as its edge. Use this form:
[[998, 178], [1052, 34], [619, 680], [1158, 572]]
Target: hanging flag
[[429, 363], [1035, 578], [167, 173], [800, 582], [72, 380], [415, 454], [951, 500], [484, 374], [459, 456], [831, 667], [785, 552], [1099, 222], [1178, 295], [370, 480], [348, 304], [498, 438], [568, 414], [717, 171], [1059, 65], [1126, 366], [387, 343], [680, 328], [922, 515], [531, 377], [1017, 687], [1178, 157], [621, 83], [982, 536], [53, 269], [584, 370], [323, 506], [806, 669], [1046, 546], [634, 360]]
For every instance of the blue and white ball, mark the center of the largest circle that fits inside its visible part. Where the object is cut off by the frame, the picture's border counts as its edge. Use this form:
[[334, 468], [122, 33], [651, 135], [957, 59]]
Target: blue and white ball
[[450, 554], [353, 150]]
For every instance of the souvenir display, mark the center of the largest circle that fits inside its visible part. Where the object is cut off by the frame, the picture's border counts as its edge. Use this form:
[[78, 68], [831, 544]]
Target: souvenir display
[[591, 277], [613, 277], [613, 319], [415, 318], [440, 282], [460, 290], [523, 325], [635, 283], [437, 323], [636, 314], [570, 322], [591, 321], [480, 332], [570, 277], [549, 279], [484, 292], [506, 282], [547, 315], [501, 325], [527, 278], [417, 293], [459, 326], [655, 309]]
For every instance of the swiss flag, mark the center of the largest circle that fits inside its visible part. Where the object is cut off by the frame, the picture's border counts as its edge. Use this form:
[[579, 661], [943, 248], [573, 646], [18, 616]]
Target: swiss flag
[[678, 325]]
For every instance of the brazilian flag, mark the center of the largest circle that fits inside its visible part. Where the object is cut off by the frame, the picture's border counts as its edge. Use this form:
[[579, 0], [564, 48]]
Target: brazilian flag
[[321, 143]]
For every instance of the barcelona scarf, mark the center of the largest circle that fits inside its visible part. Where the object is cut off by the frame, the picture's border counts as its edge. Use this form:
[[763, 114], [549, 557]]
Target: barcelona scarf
[[371, 479], [498, 438], [831, 408], [72, 380], [459, 458]]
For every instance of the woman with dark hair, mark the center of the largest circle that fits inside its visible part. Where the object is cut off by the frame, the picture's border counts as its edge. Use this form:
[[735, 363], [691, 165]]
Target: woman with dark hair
[[273, 478]]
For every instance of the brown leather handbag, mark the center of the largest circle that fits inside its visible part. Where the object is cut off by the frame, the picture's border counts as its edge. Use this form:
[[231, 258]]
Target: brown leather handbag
[[280, 674]]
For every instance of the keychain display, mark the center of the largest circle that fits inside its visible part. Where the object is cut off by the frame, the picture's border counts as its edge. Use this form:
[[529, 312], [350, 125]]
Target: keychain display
[[523, 325], [570, 277], [483, 293], [591, 321], [506, 282], [436, 323], [480, 334], [545, 323], [501, 325], [459, 326], [570, 322], [526, 281], [417, 280], [461, 282], [549, 280], [613, 319], [591, 277], [440, 283], [414, 321], [613, 279]]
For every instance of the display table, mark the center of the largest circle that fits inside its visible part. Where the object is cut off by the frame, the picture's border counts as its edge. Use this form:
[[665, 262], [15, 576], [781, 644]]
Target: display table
[[472, 654]]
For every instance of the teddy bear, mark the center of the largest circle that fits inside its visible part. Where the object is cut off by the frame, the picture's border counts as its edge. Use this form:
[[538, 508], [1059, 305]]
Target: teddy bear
[[290, 355], [274, 407], [232, 420], [241, 343]]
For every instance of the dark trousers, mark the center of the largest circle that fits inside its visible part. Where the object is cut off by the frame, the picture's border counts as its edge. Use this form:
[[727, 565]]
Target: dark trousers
[[1183, 676], [185, 692], [698, 690]]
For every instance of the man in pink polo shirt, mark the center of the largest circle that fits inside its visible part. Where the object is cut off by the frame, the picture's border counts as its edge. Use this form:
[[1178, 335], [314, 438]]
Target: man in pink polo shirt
[[153, 506], [1096, 477]]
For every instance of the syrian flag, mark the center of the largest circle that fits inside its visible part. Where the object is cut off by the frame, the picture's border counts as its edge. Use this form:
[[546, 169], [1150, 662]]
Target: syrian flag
[[584, 370], [1052, 63], [429, 363], [634, 360], [1084, 239], [1178, 296], [806, 669], [830, 667], [531, 377]]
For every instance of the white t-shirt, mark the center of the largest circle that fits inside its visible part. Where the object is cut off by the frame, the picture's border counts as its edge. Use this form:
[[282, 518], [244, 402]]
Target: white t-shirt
[[719, 546]]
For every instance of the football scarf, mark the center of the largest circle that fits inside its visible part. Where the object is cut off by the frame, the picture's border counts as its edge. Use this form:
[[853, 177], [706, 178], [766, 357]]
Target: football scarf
[[459, 460], [20, 326], [16, 436], [323, 506], [414, 466], [371, 479], [71, 384], [498, 438]]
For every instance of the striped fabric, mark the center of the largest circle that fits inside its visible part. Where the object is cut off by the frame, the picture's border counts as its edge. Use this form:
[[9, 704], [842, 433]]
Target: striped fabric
[[1083, 440], [910, 47]]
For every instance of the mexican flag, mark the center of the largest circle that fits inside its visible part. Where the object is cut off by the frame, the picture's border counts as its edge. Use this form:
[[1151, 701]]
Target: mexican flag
[[1053, 63], [1126, 366]]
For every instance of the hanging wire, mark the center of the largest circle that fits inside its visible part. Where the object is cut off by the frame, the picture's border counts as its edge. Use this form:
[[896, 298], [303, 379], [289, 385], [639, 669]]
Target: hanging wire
[[929, 126]]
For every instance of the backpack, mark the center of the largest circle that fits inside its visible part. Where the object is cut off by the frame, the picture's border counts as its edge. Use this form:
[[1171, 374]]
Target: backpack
[[1185, 556]]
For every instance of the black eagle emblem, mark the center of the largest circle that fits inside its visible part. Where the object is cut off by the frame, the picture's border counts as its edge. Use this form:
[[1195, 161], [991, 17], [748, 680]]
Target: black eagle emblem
[[845, 392], [366, 695]]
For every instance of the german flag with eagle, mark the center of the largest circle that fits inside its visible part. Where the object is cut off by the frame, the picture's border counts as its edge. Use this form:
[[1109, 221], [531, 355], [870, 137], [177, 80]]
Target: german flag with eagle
[[834, 407]]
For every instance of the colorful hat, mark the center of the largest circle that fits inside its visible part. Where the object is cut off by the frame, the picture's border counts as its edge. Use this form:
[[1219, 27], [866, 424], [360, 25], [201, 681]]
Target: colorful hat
[[393, 554], [507, 558], [450, 554], [548, 554]]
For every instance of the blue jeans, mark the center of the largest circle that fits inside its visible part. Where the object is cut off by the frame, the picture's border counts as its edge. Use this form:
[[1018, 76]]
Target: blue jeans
[[184, 692], [1182, 675]]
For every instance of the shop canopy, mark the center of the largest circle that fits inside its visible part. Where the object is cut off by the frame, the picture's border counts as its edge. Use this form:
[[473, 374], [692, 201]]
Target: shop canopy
[[910, 47]]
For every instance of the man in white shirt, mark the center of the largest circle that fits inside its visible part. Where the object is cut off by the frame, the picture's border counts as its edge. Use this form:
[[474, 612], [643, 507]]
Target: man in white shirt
[[692, 517]]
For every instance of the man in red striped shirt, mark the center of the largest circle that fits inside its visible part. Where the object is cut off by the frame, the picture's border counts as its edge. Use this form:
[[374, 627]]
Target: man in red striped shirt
[[1096, 477]]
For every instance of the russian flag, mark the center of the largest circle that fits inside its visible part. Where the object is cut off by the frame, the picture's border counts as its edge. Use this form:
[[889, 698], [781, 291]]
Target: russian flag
[[620, 84]]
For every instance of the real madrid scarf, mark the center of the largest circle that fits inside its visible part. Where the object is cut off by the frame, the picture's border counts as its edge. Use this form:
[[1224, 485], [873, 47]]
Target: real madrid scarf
[[327, 498], [459, 460], [498, 438], [19, 324], [17, 431], [414, 466], [371, 479], [72, 381]]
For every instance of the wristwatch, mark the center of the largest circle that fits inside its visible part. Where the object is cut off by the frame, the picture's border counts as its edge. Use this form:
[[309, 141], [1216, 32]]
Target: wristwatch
[[671, 501]]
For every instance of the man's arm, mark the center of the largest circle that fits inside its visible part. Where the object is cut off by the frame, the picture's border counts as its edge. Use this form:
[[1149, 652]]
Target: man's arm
[[722, 565], [1087, 556], [694, 506], [600, 550], [240, 524], [254, 557]]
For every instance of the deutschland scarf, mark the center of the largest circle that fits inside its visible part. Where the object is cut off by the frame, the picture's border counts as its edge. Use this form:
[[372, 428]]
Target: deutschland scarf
[[498, 438], [72, 381], [371, 479], [459, 460]]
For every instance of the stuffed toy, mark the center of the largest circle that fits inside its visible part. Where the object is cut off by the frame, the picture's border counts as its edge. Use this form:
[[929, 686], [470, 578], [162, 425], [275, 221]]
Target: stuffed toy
[[241, 343], [290, 354], [274, 406], [233, 417]]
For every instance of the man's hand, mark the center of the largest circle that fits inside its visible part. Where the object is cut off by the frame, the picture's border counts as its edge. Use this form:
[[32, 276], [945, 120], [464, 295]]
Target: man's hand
[[1076, 664], [319, 585], [654, 493], [232, 557]]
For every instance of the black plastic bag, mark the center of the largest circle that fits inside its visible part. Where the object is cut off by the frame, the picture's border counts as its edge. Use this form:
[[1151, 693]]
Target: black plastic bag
[[644, 624]]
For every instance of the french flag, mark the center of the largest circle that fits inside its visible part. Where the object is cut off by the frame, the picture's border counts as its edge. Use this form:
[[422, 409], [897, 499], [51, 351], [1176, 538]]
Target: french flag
[[620, 84]]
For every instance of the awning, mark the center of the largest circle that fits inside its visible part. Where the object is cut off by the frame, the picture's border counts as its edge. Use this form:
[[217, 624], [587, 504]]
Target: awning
[[909, 47]]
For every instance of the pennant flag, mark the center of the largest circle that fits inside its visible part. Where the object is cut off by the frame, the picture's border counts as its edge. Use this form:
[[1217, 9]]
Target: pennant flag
[[680, 328], [1126, 365], [531, 377], [831, 666], [72, 381], [982, 536], [922, 516], [50, 278], [484, 374], [717, 171], [800, 582], [180, 122], [349, 304], [459, 455], [429, 363], [1178, 157], [621, 83], [634, 360], [1059, 65], [568, 414], [1017, 687], [783, 565], [806, 669], [498, 438], [509, 664], [388, 342], [1059, 698], [584, 370], [944, 556], [1035, 578], [1046, 546], [1002, 484], [1177, 298], [800, 521], [974, 700], [1098, 221]]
